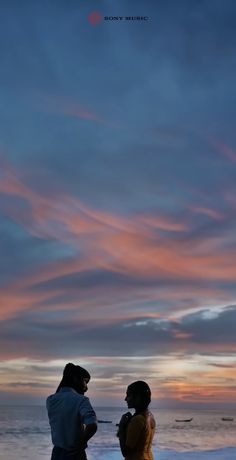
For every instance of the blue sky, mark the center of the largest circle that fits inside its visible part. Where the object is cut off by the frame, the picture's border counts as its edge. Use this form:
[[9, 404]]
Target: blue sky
[[117, 198]]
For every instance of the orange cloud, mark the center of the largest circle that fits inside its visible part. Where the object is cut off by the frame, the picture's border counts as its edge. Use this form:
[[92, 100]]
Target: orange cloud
[[129, 246], [172, 378]]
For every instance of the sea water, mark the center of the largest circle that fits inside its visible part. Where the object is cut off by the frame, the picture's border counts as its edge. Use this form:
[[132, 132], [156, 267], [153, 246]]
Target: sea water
[[25, 434]]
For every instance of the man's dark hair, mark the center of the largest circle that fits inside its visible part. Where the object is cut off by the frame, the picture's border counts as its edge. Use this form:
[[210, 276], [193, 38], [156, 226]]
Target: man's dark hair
[[70, 373]]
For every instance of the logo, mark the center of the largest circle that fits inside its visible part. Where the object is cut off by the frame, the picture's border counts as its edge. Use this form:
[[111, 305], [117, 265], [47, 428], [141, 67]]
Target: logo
[[126, 18], [95, 18]]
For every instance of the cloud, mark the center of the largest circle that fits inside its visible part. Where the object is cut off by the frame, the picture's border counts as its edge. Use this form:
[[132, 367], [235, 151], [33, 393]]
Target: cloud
[[27, 385], [226, 150], [38, 335], [99, 250], [211, 213], [61, 106], [212, 329], [117, 196]]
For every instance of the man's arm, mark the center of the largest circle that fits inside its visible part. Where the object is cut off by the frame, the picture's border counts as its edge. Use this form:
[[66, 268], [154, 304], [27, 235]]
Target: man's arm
[[88, 433], [89, 420]]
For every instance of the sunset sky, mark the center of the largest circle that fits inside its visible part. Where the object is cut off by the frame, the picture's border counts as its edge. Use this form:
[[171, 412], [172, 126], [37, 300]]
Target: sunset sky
[[118, 199]]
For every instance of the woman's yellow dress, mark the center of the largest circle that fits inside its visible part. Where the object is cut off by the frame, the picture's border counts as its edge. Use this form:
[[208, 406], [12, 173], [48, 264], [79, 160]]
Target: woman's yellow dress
[[139, 436]]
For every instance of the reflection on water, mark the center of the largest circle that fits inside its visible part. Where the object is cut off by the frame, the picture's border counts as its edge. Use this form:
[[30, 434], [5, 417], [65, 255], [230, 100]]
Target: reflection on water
[[25, 433]]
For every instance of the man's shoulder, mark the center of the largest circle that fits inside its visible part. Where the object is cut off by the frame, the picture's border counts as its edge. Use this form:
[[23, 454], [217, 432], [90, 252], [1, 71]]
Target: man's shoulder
[[48, 400], [69, 395], [51, 398], [78, 398], [83, 400]]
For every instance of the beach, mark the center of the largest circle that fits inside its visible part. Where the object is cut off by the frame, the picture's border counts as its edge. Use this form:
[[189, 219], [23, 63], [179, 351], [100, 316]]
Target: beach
[[25, 434], [219, 454]]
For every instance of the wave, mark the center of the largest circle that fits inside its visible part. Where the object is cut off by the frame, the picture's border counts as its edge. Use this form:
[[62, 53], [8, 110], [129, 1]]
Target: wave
[[24, 431], [227, 453]]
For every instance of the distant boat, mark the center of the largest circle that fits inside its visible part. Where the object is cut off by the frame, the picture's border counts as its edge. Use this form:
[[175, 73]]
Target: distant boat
[[227, 419], [104, 421], [184, 420]]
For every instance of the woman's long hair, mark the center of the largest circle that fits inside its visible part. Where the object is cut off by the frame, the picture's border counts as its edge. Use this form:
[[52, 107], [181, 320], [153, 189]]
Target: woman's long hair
[[70, 373]]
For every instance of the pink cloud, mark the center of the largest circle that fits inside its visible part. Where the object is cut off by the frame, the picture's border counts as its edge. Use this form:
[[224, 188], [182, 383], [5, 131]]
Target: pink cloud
[[64, 106], [212, 213], [223, 148], [129, 246]]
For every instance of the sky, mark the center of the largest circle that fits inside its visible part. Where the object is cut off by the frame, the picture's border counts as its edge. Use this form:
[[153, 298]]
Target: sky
[[118, 199]]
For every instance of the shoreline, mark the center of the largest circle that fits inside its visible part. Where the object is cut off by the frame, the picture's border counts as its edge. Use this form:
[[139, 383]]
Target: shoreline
[[227, 453]]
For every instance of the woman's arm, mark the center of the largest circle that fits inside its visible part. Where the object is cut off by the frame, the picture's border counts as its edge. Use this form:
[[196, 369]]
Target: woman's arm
[[122, 432], [130, 435]]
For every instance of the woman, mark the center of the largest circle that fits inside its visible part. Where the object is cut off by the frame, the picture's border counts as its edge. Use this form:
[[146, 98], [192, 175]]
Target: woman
[[136, 432], [72, 419]]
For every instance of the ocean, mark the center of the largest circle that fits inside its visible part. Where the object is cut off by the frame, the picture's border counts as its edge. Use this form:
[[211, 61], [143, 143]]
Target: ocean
[[25, 434]]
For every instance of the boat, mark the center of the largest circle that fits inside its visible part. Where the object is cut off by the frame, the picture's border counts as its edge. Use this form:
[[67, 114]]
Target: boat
[[104, 421], [184, 420], [227, 419]]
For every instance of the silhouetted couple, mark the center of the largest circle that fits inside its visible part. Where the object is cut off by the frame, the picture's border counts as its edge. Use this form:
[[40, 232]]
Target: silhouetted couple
[[73, 420]]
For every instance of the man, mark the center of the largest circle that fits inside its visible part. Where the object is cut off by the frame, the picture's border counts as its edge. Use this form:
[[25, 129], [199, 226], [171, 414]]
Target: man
[[72, 419]]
